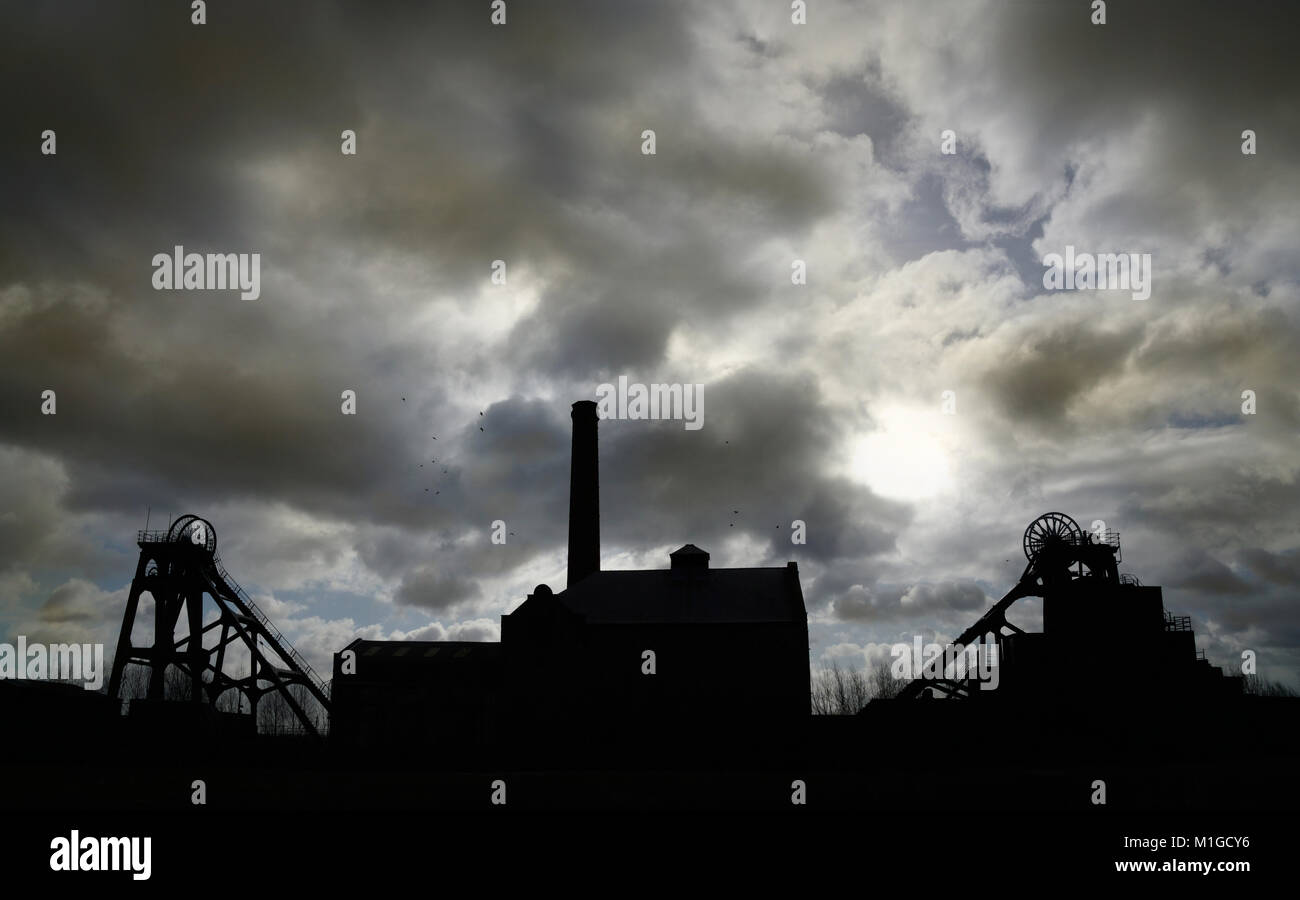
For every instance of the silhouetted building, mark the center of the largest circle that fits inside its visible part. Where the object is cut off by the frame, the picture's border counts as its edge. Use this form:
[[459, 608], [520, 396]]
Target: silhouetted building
[[1106, 637], [684, 664], [1124, 642], [426, 695], [669, 662]]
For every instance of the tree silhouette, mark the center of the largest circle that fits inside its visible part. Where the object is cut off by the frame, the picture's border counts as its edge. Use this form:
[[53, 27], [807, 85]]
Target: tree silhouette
[[840, 691], [1257, 686]]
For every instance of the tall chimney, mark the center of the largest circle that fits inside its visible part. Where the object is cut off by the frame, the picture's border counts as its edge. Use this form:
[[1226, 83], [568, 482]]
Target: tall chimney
[[584, 495]]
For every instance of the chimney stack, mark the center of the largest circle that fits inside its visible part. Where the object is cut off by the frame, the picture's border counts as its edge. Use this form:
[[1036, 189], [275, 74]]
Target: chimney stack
[[584, 495]]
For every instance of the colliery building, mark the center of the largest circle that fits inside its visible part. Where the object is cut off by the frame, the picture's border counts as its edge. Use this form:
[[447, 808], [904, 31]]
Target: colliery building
[[687, 665], [658, 665], [1105, 637]]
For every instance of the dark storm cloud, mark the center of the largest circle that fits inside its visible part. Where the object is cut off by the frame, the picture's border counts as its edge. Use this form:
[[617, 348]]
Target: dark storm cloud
[[764, 450], [1228, 349], [28, 494], [187, 412], [154, 116], [860, 604], [1231, 504], [1282, 569], [476, 143], [522, 143], [1255, 619], [468, 163], [1124, 136], [1041, 377], [950, 602], [433, 590], [859, 103], [1203, 72], [1201, 572], [248, 396]]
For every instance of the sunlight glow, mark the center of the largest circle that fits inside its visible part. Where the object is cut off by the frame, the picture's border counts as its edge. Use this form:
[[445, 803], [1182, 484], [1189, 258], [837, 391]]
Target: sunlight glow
[[907, 458]]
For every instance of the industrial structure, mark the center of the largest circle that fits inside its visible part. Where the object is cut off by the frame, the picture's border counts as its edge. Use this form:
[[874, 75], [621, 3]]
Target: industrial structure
[[1103, 633], [656, 664], [687, 663], [178, 568]]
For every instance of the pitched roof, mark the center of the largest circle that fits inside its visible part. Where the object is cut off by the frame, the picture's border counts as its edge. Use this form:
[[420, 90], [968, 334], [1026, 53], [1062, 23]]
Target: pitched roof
[[696, 596], [426, 651], [688, 551]]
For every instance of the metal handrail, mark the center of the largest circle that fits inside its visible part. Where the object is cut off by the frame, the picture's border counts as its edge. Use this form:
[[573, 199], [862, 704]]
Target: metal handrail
[[1110, 538], [294, 657], [280, 640]]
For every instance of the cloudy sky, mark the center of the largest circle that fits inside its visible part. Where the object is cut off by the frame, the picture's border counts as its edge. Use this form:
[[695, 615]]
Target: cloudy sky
[[775, 142]]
